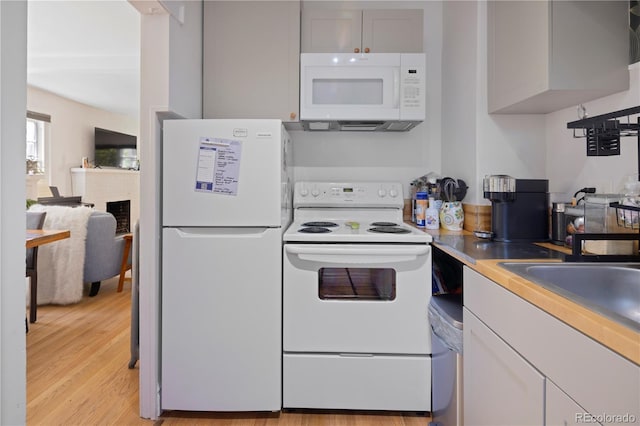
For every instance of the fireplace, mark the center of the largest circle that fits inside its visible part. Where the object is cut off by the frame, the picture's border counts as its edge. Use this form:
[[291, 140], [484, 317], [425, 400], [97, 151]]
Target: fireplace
[[122, 212]]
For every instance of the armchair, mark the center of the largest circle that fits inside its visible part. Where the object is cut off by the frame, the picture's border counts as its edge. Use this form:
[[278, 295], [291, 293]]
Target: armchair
[[103, 250]]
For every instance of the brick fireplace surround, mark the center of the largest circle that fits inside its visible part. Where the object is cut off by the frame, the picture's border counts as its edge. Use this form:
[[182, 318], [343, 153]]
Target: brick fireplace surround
[[104, 187]]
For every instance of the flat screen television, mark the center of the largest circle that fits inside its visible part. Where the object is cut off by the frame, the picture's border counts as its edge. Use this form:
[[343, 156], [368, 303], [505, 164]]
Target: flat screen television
[[115, 149]]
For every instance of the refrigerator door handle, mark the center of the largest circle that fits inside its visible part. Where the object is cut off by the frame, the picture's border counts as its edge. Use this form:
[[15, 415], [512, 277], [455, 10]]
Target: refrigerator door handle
[[249, 232]]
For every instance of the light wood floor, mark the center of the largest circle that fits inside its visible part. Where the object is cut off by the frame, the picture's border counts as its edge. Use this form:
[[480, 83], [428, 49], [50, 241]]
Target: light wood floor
[[77, 358]]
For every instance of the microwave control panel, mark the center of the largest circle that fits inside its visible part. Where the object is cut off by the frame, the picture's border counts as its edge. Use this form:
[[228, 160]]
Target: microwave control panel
[[412, 86]]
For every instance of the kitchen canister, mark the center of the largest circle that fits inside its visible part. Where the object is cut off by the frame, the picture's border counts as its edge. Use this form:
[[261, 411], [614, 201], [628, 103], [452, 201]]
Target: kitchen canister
[[452, 215], [432, 215], [421, 208]]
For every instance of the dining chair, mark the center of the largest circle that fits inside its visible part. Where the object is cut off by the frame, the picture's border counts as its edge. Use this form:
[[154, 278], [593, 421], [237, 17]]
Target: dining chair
[[35, 220]]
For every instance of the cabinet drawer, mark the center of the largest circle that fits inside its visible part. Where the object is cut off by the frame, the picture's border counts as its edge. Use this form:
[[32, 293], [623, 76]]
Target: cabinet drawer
[[357, 382]]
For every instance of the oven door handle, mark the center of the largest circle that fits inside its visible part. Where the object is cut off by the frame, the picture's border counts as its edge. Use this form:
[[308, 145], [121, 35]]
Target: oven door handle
[[354, 254]]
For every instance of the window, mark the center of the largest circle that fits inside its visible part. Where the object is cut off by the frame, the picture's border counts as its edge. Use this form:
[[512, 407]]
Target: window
[[35, 142]]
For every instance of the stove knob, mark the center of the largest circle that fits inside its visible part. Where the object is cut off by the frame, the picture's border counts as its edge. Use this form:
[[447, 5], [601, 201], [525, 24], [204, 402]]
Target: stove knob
[[304, 191], [393, 193], [315, 192], [382, 192]]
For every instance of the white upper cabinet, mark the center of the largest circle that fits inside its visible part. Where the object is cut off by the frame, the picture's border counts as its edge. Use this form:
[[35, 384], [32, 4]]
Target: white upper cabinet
[[362, 31], [251, 59], [331, 31], [547, 55]]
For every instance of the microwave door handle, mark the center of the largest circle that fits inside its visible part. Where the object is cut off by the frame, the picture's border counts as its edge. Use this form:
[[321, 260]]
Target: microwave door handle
[[396, 87]]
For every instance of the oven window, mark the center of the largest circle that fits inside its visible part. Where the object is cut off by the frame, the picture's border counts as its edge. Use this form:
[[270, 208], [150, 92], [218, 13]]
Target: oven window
[[357, 283]]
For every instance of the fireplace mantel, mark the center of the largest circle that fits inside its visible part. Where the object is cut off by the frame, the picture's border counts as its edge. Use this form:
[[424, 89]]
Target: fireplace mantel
[[99, 186]]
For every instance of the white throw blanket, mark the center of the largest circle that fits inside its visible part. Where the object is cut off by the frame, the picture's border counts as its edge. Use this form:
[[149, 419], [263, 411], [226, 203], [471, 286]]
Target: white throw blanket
[[61, 263]]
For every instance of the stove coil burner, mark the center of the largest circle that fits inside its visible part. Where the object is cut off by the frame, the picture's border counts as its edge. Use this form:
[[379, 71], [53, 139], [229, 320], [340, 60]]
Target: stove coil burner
[[376, 224], [389, 230], [320, 224], [314, 230]]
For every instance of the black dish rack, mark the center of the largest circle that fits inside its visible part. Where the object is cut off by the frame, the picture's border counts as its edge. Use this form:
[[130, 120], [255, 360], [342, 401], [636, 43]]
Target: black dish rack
[[603, 133]]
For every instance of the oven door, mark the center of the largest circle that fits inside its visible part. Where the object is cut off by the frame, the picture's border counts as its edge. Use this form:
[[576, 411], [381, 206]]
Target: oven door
[[356, 298]]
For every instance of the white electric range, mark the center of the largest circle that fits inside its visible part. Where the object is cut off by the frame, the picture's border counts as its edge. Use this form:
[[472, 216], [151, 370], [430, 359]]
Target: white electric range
[[356, 291], [362, 212]]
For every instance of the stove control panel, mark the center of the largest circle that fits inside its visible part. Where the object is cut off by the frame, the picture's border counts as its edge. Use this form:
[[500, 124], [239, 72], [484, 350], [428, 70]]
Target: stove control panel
[[342, 194]]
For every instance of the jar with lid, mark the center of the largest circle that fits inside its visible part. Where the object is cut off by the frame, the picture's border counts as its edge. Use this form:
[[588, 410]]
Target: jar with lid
[[630, 218], [421, 208]]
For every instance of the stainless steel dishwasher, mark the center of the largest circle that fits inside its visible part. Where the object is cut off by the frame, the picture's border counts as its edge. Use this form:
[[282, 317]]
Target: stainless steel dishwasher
[[445, 317]]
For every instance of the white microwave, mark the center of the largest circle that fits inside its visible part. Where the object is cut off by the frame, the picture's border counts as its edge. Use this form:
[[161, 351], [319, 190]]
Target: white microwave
[[362, 92]]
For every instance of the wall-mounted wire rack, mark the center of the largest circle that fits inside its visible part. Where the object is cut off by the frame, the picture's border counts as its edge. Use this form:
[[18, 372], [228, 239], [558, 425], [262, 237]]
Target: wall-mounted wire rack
[[603, 132]]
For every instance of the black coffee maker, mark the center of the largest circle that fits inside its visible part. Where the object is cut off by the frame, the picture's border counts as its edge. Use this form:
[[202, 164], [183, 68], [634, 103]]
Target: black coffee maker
[[519, 208]]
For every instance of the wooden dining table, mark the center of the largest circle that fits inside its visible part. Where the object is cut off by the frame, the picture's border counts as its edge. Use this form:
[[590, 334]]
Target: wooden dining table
[[34, 239]]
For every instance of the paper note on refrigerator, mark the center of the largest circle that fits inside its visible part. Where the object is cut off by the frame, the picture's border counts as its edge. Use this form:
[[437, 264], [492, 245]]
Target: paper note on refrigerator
[[218, 166]]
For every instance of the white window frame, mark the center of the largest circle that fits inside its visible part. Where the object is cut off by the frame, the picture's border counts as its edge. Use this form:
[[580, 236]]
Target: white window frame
[[38, 153]]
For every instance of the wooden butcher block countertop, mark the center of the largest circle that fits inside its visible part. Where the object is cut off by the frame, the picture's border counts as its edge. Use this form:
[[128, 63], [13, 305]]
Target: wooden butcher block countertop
[[463, 246]]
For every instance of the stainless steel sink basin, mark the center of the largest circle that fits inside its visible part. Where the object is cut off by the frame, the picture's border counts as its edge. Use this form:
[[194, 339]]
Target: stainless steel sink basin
[[612, 289]]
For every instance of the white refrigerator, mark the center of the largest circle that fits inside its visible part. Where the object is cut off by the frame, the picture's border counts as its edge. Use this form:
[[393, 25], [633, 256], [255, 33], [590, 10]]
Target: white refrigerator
[[226, 200]]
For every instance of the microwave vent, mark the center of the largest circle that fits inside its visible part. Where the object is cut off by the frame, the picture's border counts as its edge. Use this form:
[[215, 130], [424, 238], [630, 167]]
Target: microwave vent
[[400, 126], [358, 126], [319, 125], [361, 126]]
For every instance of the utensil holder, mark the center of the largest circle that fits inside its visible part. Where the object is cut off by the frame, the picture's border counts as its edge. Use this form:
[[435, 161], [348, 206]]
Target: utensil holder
[[452, 215]]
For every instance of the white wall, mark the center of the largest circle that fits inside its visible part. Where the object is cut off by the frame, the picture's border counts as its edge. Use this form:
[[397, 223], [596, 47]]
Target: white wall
[[154, 97], [475, 143], [380, 156], [71, 133], [171, 85], [568, 167], [185, 61], [13, 82], [459, 92], [507, 144]]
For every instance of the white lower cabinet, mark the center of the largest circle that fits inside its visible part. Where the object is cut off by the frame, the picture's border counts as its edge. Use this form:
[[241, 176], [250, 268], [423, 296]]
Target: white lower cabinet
[[523, 366], [561, 410], [500, 387]]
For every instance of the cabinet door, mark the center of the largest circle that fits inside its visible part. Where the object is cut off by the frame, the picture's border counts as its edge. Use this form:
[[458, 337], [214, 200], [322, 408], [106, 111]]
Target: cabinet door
[[362, 31], [518, 49], [561, 410], [547, 55], [392, 31], [331, 30], [500, 387], [251, 59]]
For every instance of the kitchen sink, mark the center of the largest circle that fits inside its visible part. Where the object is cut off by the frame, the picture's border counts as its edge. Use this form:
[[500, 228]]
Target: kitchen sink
[[612, 289]]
